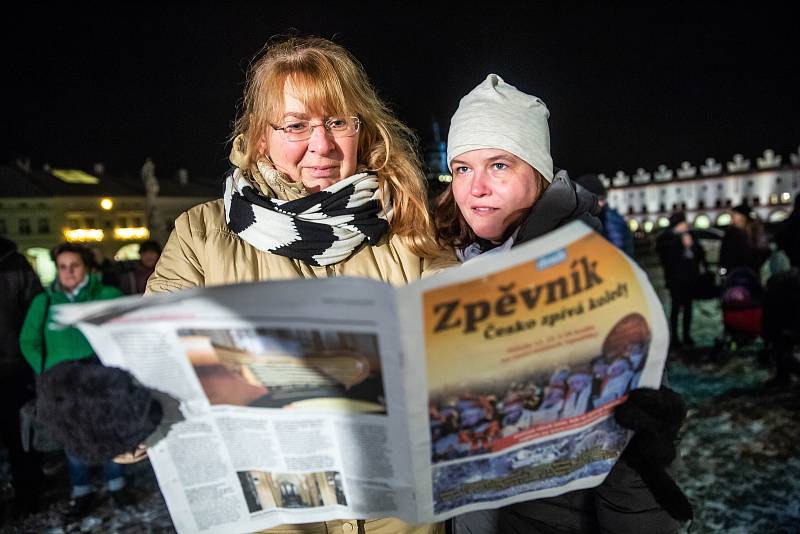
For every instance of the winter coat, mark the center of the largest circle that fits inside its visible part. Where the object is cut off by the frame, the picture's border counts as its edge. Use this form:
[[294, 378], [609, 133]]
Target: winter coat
[[737, 250], [681, 270], [621, 504], [787, 236], [18, 285], [61, 344], [202, 251], [134, 280], [616, 230]]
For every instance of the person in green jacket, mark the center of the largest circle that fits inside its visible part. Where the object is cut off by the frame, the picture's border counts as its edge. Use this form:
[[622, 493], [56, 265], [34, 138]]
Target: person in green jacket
[[44, 346], [75, 283]]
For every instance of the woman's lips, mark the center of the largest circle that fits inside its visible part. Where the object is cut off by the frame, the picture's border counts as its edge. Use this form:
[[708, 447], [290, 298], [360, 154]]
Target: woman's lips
[[325, 171], [483, 210]]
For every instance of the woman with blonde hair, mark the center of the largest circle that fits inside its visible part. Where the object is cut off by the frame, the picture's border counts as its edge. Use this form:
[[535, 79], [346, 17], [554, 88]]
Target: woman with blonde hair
[[325, 182]]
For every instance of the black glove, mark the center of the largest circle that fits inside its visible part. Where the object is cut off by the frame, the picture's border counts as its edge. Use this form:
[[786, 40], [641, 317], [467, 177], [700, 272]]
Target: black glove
[[656, 416], [96, 412]]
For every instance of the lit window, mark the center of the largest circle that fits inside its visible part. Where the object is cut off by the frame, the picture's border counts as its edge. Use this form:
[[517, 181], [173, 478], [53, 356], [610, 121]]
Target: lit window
[[777, 216], [702, 221]]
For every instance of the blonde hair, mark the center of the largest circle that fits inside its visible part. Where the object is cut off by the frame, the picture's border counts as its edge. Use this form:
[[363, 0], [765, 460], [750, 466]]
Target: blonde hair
[[330, 81]]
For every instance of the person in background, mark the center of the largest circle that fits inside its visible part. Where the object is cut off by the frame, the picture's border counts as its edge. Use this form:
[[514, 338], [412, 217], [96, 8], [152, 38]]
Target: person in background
[[505, 191], [744, 244], [681, 257], [134, 281], [45, 347], [106, 267], [18, 286], [787, 235], [615, 229]]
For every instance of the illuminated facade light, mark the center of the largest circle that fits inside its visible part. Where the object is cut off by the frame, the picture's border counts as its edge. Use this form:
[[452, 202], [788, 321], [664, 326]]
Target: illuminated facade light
[[773, 198], [777, 216], [633, 224], [106, 203], [137, 232], [663, 222], [648, 226], [445, 178], [82, 235], [724, 219], [73, 176], [786, 197], [702, 221]]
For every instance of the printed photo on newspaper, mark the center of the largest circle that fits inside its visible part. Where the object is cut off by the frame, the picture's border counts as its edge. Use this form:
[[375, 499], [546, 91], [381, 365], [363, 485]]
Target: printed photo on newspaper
[[310, 400]]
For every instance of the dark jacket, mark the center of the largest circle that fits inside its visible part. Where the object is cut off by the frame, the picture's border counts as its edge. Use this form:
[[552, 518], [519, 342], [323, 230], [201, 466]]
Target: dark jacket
[[737, 251], [787, 236], [616, 230], [18, 285], [681, 267], [134, 281], [561, 203], [621, 504]]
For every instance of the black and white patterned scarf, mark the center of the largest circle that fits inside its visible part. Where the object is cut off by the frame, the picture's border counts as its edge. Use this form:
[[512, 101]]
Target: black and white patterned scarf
[[322, 228]]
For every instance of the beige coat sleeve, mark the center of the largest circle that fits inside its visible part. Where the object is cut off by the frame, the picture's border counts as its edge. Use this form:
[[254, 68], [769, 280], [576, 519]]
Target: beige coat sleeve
[[444, 260], [181, 263]]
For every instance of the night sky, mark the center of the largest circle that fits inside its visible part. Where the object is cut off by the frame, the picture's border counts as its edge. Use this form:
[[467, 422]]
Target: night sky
[[627, 87]]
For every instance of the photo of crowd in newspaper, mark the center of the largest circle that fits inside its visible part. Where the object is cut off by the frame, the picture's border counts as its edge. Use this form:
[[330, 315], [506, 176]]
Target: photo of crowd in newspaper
[[282, 368], [525, 368]]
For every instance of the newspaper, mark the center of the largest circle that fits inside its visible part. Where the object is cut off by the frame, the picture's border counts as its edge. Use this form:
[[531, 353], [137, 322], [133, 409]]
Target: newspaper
[[310, 400]]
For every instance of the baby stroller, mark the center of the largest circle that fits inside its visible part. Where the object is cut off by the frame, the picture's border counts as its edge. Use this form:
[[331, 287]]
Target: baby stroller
[[741, 302]]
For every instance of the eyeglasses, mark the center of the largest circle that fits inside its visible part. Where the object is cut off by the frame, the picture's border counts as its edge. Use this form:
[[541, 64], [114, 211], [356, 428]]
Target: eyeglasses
[[300, 130]]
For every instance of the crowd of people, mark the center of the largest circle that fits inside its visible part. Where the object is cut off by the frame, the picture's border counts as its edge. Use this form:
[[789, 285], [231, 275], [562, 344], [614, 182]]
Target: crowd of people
[[755, 283], [31, 346], [326, 181]]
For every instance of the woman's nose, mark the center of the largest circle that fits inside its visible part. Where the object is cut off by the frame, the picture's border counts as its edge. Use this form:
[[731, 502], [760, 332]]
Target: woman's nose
[[480, 186], [321, 141]]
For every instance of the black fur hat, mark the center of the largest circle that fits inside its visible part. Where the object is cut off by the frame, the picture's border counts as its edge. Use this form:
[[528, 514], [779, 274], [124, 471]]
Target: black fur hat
[[96, 412]]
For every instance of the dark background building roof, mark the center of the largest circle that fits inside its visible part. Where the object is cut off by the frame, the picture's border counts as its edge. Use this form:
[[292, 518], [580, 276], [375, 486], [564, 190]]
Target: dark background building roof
[[19, 182]]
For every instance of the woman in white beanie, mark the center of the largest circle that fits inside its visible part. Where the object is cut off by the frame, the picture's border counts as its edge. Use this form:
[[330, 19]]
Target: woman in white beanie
[[506, 191]]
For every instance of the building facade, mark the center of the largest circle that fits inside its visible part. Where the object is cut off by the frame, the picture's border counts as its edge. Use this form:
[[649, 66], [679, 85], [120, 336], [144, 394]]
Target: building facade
[[706, 192], [111, 214]]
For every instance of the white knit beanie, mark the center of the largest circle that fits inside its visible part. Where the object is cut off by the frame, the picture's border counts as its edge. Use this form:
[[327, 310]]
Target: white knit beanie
[[498, 115]]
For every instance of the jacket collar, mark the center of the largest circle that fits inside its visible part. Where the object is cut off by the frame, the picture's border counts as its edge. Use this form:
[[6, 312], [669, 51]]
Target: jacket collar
[[561, 203], [82, 292]]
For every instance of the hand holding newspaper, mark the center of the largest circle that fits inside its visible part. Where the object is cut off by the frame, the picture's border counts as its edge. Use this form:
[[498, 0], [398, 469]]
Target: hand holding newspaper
[[311, 400]]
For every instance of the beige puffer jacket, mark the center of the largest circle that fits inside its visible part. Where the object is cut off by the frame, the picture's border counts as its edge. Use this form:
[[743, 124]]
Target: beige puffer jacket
[[201, 251]]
